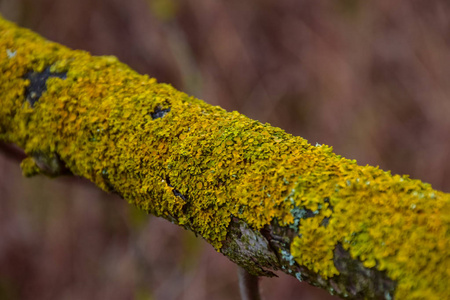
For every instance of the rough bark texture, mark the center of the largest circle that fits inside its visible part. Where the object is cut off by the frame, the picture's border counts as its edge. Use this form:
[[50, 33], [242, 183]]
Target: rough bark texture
[[264, 198]]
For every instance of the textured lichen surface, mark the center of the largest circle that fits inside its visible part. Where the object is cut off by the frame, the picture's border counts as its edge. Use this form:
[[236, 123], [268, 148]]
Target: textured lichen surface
[[198, 166]]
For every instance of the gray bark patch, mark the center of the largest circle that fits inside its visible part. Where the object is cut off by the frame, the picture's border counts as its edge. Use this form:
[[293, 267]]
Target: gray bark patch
[[38, 84]]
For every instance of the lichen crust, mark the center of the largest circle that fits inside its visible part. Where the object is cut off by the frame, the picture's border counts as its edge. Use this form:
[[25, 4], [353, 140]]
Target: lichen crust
[[197, 165]]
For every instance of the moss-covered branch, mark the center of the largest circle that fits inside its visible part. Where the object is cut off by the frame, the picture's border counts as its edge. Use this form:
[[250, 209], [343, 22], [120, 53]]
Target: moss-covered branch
[[264, 198]]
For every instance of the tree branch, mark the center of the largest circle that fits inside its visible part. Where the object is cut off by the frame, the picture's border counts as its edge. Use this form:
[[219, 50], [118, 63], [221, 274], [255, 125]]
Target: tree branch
[[248, 285], [264, 198]]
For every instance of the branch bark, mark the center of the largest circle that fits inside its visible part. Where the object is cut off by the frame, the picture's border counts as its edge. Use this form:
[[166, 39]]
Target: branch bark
[[264, 198]]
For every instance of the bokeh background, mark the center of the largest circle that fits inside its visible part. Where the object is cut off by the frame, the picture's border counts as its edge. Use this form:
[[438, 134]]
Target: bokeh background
[[370, 78]]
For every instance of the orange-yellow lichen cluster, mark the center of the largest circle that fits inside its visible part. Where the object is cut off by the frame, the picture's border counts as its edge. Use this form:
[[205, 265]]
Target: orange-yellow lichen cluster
[[198, 166], [392, 223]]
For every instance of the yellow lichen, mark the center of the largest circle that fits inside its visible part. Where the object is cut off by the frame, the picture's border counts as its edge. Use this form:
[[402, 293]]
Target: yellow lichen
[[198, 166]]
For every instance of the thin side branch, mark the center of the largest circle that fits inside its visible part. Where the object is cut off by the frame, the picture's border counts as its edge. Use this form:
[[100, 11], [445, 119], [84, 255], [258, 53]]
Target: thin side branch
[[248, 285]]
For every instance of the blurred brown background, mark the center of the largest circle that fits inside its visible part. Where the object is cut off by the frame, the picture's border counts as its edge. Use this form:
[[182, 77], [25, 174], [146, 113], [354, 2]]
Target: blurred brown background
[[371, 78]]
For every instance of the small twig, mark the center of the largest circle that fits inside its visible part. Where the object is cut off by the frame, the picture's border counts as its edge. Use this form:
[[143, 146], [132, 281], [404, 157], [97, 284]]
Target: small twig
[[248, 285], [12, 152]]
